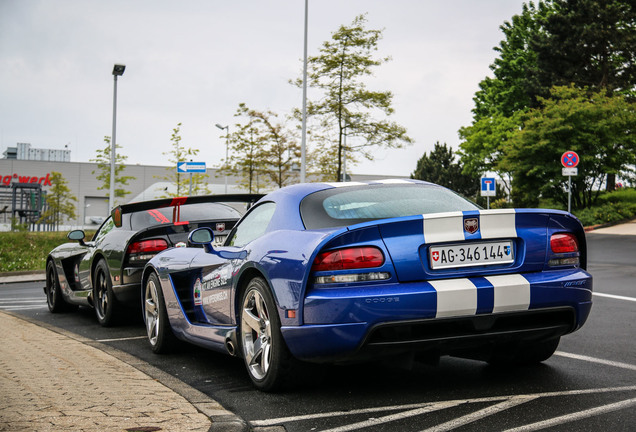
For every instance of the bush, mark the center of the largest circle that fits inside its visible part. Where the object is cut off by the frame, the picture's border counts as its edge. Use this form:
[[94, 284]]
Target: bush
[[27, 251], [606, 213], [624, 195]]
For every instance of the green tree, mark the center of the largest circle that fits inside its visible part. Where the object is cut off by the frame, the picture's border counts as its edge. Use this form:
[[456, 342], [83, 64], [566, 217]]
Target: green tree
[[509, 90], [103, 169], [598, 126], [280, 151], [185, 183], [345, 106], [440, 167], [247, 146], [485, 143], [587, 43], [59, 202], [264, 151]]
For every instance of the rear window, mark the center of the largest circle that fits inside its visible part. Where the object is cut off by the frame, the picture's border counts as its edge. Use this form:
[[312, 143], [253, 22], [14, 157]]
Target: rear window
[[189, 212], [350, 205]]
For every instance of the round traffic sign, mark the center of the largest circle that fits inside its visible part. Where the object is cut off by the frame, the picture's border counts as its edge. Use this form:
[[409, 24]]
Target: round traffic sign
[[570, 159]]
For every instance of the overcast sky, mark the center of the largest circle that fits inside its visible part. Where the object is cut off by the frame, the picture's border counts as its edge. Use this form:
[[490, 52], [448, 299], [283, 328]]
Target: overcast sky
[[194, 61]]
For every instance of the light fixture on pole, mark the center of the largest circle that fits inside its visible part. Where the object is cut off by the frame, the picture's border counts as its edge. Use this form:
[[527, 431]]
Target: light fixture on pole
[[118, 70], [227, 137]]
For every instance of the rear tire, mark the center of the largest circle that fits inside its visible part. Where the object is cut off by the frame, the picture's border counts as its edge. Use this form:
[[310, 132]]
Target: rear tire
[[155, 314], [54, 298], [103, 297], [268, 361]]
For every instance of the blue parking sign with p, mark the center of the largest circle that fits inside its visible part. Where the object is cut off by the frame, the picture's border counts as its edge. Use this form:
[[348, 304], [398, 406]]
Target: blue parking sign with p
[[488, 187]]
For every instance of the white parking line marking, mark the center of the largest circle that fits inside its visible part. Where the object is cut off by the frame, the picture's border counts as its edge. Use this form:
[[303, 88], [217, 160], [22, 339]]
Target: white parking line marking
[[596, 360], [483, 413], [575, 416], [270, 422], [121, 339], [393, 417], [21, 304], [24, 300], [612, 296], [19, 308], [428, 407]]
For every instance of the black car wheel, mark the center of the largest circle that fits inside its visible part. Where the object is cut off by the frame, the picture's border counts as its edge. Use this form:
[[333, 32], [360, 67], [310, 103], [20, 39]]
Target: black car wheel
[[54, 299], [155, 314], [103, 297], [265, 353]]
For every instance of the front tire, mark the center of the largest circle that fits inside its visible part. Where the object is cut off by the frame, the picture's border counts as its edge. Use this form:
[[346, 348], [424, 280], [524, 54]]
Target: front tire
[[103, 297], [267, 359], [155, 314]]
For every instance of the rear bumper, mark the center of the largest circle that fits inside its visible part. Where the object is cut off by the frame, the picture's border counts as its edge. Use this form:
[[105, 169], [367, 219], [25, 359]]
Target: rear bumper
[[350, 322], [129, 294]]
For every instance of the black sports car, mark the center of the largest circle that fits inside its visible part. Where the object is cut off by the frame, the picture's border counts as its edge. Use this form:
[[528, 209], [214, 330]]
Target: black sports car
[[105, 272]]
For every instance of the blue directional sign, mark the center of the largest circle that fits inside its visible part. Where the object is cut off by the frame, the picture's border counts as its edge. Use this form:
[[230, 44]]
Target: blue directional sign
[[488, 187], [191, 167]]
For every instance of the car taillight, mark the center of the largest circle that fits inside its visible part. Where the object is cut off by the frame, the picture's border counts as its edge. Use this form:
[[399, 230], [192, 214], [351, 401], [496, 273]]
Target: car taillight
[[146, 249], [349, 259], [564, 243]]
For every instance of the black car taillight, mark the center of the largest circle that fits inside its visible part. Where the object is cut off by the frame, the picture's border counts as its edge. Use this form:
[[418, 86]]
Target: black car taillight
[[144, 250], [565, 246]]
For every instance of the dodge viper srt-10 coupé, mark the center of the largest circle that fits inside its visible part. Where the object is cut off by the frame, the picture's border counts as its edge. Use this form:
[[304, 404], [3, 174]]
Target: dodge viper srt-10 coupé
[[105, 272], [345, 272]]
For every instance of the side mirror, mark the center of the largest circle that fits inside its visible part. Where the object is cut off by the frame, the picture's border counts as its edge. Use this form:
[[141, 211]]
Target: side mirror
[[202, 236], [78, 235]]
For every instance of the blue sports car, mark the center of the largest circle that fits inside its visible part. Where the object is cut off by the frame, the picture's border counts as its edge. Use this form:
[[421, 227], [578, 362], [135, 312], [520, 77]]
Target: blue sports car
[[343, 272]]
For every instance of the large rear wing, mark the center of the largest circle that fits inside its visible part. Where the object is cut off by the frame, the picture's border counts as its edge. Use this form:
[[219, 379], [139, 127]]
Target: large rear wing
[[177, 202]]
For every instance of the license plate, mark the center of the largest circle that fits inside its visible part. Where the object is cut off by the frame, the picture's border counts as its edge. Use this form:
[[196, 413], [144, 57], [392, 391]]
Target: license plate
[[471, 254], [218, 240]]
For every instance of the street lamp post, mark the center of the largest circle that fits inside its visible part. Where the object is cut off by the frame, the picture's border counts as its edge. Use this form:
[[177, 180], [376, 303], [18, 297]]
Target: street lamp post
[[303, 140], [118, 70], [227, 137]]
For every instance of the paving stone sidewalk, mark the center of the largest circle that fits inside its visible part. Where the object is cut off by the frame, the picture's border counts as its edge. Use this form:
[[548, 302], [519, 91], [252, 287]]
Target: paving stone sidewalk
[[51, 382]]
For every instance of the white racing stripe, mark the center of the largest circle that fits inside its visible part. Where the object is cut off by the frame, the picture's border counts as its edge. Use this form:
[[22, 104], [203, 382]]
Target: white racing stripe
[[346, 184], [499, 223], [512, 292], [443, 227], [458, 297], [455, 297], [392, 181], [448, 227]]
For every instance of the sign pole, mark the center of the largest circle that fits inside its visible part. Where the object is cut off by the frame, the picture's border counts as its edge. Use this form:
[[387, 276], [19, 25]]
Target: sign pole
[[569, 194], [570, 161]]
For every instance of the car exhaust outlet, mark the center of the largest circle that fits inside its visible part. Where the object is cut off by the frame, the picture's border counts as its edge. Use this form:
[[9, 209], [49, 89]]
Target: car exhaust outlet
[[230, 343], [231, 349]]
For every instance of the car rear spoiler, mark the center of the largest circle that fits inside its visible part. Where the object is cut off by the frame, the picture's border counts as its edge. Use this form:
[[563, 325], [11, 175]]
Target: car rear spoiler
[[177, 202]]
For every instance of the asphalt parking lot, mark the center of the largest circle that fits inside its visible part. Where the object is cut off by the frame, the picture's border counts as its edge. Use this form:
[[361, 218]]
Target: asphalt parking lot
[[588, 385]]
